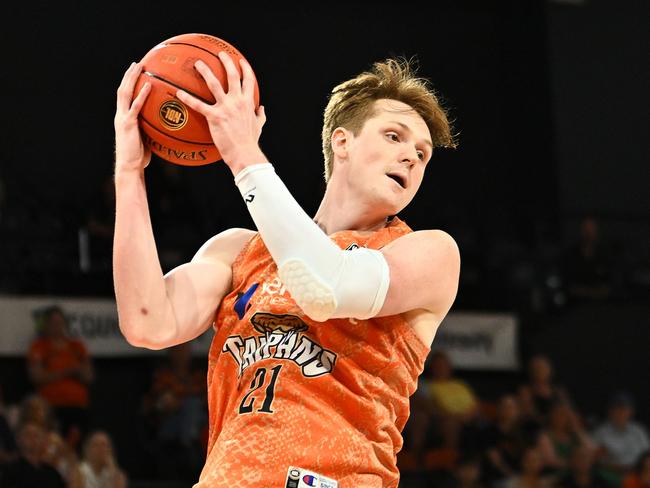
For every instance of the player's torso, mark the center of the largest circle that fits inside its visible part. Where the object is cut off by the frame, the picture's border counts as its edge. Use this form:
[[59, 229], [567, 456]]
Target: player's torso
[[285, 390]]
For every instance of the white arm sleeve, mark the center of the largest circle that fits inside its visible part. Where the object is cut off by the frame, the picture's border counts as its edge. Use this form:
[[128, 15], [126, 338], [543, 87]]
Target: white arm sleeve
[[325, 281]]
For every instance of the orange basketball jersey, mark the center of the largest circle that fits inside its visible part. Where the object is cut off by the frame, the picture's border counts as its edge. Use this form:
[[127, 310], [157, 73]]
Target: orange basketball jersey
[[283, 390]]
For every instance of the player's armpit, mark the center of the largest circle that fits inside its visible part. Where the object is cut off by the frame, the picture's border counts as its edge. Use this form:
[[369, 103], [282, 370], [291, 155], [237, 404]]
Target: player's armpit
[[424, 270]]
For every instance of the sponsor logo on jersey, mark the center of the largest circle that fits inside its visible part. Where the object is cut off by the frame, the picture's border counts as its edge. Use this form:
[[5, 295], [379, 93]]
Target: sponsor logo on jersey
[[309, 480], [281, 337], [303, 478], [352, 247], [242, 305]]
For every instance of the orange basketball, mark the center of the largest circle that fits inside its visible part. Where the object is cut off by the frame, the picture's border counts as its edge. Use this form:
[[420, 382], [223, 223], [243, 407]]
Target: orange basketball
[[171, 129]]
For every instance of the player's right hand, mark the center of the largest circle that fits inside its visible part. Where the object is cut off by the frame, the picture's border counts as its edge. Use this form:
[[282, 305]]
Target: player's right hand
[[130, 152]]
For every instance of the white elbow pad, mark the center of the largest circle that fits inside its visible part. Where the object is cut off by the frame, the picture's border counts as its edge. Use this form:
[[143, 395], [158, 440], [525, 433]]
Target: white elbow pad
[[324, 280], [358, 289]]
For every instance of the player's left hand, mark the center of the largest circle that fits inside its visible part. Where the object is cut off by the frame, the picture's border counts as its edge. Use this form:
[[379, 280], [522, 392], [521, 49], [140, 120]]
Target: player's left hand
[[235, 125]]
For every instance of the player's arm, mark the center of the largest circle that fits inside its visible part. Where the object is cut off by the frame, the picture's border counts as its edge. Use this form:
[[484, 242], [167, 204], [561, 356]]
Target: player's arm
[[157, 311]]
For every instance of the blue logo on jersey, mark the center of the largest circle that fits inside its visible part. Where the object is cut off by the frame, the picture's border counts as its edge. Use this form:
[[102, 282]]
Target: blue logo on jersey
[[242, 302], [309, 480]]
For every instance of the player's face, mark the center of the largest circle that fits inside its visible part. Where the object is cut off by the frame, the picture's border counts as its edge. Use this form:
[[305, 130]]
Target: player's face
[[389, 155]]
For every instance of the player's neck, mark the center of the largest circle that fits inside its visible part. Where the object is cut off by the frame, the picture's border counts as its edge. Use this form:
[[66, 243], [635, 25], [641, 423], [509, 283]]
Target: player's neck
[[339, 212]]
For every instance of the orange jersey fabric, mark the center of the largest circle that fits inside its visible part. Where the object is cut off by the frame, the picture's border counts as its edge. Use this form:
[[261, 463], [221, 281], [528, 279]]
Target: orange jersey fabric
[[284, 390], [65, 392]]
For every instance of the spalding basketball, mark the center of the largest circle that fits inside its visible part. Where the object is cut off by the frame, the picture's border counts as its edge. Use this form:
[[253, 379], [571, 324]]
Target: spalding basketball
[[172, 130]]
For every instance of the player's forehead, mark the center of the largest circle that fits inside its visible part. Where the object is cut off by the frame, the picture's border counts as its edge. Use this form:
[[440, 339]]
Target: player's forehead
[[387, 110]]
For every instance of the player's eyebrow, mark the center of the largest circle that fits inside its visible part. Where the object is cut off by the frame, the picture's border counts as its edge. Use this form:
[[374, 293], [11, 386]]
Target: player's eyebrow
[[408, 129]]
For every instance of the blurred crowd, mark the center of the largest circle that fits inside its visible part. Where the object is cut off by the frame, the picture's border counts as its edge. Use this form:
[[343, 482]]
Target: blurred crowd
[[46, 439], [534, 436]]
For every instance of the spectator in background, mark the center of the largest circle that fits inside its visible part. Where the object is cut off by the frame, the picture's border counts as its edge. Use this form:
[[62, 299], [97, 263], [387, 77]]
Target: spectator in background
[[466, 475], [176, 407], [61, 369], [566, 434], [621, 440], [583, 473], [99, 468], [640, 477], [63, 458], [444, 409], [587, 265], [448, 396], [8, 450], [504, 441], [540, 392], [443, 449], [30, 470], [36, 410], [531, 472]]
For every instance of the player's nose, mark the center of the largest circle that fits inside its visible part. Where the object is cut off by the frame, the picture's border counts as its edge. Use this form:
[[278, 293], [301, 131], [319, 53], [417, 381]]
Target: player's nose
[[409, 156]]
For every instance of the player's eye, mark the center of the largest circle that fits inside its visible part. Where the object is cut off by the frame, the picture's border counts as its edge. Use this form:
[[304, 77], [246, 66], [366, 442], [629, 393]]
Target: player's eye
[[392, 136], [421, 155]]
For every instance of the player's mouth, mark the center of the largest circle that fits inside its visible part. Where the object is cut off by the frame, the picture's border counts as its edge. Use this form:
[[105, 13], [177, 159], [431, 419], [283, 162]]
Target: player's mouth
[[400, 178]]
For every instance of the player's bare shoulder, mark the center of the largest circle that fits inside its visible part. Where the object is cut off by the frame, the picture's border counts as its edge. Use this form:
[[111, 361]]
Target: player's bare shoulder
[[424, 272], [427, 257], [440, 257], [430, 239], [439, 238], [225, 246]]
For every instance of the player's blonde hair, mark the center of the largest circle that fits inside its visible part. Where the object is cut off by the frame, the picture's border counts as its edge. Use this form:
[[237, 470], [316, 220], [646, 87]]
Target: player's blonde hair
[[352, 102]]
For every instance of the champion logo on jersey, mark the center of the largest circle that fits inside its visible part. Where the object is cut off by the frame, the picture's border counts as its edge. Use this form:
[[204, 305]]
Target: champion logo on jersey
[[303, 478], [309, 480]]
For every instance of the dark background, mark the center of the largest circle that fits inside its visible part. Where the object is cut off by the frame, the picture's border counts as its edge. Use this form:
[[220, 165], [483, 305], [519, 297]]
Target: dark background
[[550, 100]]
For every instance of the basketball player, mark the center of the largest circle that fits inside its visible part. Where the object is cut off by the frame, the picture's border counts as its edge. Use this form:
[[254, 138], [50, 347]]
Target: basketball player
[[321, 325]]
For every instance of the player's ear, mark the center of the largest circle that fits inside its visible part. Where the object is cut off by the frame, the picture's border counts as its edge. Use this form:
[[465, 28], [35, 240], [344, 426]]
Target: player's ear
[[340, 140]]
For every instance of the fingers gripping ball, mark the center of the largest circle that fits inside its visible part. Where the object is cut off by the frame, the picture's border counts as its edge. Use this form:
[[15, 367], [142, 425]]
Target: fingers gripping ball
[[172, 130]]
